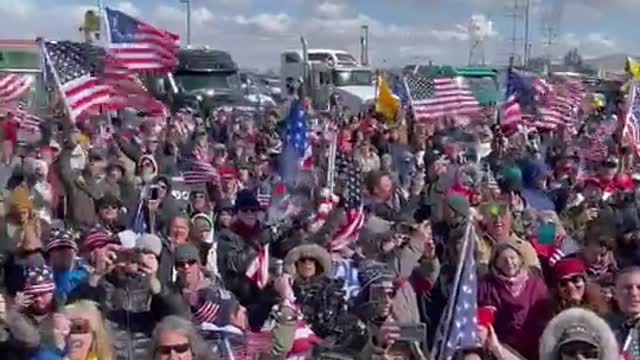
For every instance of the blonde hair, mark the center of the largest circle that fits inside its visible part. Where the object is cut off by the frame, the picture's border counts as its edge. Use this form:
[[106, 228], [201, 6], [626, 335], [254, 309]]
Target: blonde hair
[[101, 346]]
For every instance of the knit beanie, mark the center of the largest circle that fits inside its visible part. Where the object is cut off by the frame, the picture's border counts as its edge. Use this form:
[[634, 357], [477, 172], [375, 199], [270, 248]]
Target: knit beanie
[[20, 198]]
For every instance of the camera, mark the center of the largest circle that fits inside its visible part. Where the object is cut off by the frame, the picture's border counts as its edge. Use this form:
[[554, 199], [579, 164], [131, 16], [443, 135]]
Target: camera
[[154, 192]]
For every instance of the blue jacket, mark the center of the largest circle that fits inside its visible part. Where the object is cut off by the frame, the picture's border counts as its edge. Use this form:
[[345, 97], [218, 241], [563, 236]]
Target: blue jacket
[[67, 281]]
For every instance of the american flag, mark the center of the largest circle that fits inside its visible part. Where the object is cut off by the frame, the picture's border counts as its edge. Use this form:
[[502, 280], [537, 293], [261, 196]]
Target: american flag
[[73, 67], [258, 270], [631, 128], [598, 148], [512, 115], [436, 98], [298, 136], [457, 328], [13, 86], [560, 103], [207, 312], [139, 46], [201, 173], [347, 167], [128, 89]]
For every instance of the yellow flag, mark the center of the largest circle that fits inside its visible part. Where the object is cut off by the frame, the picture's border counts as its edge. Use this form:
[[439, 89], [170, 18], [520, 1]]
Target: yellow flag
[[633, 68], [386, 104]]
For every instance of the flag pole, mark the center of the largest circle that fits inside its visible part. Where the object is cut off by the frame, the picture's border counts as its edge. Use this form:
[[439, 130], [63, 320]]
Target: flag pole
[[56, 78], [437, 350]]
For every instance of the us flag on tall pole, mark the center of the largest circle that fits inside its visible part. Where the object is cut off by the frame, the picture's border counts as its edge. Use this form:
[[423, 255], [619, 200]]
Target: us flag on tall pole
[[74, 72], [457, 328], [140, 46], [433, 98], [13, 86]]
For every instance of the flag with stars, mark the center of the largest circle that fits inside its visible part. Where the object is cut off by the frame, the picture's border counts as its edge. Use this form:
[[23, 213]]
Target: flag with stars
[[435, 98], [457, 328], [631, 129], [298, 136], [74, 71], [349, 174], [140, 46]]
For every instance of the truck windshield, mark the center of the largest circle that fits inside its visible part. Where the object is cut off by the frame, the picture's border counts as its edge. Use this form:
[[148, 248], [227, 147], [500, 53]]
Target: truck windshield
[[352, 77], [190, 81], [484, 83]]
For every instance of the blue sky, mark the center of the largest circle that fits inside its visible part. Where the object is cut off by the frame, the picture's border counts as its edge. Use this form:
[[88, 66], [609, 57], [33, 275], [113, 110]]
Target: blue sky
[[402, 31]]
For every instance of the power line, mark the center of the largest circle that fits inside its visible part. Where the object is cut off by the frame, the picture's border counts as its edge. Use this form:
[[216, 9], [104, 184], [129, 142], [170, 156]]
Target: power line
[[516, 14]]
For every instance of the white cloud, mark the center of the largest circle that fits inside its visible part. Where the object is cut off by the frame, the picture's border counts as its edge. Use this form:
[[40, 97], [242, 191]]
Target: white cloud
[[590, 45], [266, 24], [127, 7], [330, 9], [16, 8]]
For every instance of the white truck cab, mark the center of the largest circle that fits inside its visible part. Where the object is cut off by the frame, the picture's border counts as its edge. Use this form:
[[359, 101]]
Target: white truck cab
[[330, 72]]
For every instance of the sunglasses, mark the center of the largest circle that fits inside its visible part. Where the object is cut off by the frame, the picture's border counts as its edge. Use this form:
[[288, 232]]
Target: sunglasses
[[573, 350], [185, 264], [178, 349], [576, 279]]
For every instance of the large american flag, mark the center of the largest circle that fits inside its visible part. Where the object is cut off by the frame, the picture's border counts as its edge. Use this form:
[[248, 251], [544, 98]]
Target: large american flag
[[631, 131], [457, 328], [433, 98], [560, 101], [598, 148], [74, 70], [139, 46], [347, 168], [201, 172], [512, 114], [13, 86]]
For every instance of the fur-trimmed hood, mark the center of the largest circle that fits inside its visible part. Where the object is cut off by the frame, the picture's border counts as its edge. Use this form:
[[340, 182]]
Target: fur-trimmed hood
[[313, 251], [595, 326]]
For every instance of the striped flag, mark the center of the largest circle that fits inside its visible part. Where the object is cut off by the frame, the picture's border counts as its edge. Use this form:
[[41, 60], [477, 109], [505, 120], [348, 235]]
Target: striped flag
[[258, 270], [457, 328], [512, 114], [348, 231], [560, 104], [207, 312], [14, 86], [631, 130], [436, 98], [139, 46], [201, 173], [598, 148], [298, 136], [73, 69]]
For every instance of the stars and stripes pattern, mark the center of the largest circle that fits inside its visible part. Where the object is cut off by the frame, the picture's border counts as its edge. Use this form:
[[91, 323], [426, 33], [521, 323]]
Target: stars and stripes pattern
[[14, 86], [140, 46], [511, 112], [258, 270], [631, 129], [297, 140], [457, 329], [348, 170], [201, 173], [73, 68], [560, 103], [598, 148], [207, 312], [439, 97]]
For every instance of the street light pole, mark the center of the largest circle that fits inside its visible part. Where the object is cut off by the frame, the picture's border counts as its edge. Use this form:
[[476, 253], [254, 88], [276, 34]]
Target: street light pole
[[188, 5]]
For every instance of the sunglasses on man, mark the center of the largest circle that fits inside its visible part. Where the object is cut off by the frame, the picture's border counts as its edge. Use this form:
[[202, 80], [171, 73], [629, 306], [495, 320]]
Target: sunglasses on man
[[177, 348]]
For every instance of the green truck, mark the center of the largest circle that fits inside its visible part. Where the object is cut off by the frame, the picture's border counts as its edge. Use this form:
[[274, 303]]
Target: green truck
[[483, 80], [23, 57]]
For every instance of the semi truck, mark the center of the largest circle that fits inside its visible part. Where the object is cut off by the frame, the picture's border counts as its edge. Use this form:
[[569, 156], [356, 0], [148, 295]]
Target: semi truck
[[329, 73]]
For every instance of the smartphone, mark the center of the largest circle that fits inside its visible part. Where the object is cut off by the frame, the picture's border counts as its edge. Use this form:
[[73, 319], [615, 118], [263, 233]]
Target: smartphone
[[154, 192], [79, 326], [412, 332], [125, 256]]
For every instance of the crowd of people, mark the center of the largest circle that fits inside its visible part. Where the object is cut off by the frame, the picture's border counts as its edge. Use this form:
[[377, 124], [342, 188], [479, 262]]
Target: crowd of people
[[101, 261]]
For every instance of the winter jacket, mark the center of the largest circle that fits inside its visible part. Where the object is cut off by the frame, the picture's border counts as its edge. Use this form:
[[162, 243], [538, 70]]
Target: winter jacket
[[321, 298], [19, 338], [237, 248], [519, 321], [130, 309]]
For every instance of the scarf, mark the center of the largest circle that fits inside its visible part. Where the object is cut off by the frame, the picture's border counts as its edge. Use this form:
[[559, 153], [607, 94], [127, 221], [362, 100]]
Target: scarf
[[513, 284]]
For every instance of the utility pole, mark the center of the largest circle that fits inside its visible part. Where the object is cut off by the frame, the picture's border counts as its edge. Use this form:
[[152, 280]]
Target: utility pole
[[188, 6], [527, 9], [515, 14], [364, 46]]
